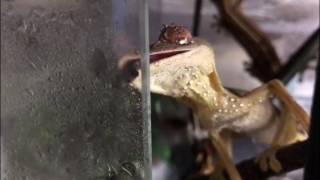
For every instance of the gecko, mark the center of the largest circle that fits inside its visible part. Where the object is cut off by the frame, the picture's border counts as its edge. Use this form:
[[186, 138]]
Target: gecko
[[183, 67]]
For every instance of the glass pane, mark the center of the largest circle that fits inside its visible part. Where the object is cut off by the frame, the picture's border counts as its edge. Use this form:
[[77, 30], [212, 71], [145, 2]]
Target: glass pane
[[66, 112]]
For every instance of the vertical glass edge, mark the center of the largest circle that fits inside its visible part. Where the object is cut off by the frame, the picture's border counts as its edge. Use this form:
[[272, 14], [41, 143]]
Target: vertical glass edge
[[146, 114]]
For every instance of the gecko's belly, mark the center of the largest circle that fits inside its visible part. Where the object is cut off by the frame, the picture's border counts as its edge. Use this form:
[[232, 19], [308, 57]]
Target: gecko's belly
[[259, 117]]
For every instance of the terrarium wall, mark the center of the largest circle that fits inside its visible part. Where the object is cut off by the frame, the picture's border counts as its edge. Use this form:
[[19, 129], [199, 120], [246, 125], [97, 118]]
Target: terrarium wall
[[66, 113]]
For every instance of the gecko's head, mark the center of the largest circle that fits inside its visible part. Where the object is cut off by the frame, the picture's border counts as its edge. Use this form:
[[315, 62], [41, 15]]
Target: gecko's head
[[172, 59]]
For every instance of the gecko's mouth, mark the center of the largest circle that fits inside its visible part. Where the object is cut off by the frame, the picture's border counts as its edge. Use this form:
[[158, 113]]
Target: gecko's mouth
[[158, 57], [132, 66]]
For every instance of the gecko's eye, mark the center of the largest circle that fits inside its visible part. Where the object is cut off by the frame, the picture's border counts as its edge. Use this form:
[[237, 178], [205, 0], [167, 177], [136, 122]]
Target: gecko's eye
[[173, 34]]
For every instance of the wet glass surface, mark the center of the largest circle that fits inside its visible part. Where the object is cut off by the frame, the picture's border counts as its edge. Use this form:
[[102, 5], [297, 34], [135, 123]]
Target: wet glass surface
[[66, 113]]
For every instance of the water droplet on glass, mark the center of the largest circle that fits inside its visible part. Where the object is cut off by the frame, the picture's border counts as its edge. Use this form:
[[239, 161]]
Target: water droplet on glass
[[128, 168], [33, 65], [30, 91]]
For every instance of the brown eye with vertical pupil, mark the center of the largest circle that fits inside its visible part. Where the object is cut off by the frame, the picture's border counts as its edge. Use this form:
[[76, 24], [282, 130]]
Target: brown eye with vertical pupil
[[172, 34]]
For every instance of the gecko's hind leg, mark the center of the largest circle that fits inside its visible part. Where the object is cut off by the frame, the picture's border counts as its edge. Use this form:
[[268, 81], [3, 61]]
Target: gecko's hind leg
[[292, 115], [267, 159], [277, 89], [285, 134], [293, 107]]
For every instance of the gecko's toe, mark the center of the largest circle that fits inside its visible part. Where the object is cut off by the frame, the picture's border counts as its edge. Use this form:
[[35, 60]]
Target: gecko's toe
[[275, 165], [267, 160], [262, 162]]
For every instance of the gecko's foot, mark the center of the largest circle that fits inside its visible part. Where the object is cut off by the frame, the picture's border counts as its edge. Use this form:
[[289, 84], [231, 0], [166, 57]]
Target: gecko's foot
[[206, 166], [267, 160]]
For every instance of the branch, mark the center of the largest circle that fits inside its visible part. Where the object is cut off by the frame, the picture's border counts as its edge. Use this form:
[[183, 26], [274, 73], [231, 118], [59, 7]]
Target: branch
[[265, 60], [291, 158]]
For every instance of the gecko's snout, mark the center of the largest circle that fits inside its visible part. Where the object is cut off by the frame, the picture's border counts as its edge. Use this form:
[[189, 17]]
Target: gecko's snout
[[130, 70]]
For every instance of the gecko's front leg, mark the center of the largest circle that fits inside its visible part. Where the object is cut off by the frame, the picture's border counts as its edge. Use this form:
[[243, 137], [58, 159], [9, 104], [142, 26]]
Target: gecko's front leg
[[223, 148]]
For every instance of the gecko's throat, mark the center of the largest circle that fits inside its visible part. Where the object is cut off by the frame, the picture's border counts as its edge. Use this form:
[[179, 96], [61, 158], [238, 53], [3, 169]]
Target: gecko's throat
[[133, 65]]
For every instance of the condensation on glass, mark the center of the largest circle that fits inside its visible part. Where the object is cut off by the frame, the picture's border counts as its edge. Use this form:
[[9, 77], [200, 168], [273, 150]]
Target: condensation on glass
[[66, 113]]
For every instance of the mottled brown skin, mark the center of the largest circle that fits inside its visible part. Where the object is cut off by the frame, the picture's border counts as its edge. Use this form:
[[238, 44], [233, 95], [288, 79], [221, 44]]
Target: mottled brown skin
[[173, 34], [187, 72]]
